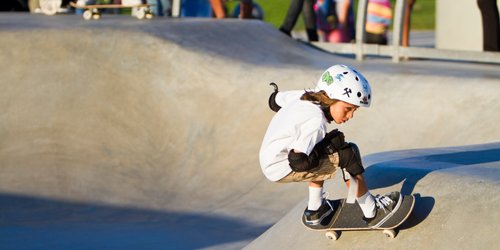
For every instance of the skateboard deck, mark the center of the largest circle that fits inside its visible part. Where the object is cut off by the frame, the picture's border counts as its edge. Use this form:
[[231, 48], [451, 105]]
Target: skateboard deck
[[349, 217], [92, 11]]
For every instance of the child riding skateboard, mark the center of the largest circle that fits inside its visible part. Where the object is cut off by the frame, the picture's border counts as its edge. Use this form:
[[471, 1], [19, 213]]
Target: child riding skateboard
[[298, 148]]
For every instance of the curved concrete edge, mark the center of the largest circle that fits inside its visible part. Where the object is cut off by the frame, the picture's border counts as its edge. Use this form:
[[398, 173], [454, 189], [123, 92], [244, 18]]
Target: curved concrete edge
[[457, 195]]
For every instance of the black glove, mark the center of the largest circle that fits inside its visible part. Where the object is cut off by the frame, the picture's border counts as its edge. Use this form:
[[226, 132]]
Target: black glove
[[272, 99], [333, 142]]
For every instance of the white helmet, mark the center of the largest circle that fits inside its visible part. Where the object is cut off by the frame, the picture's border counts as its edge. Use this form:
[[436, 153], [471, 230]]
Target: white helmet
[[344, 83]]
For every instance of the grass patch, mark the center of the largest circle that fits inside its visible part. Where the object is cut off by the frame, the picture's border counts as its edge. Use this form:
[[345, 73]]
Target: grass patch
[[424, 15]]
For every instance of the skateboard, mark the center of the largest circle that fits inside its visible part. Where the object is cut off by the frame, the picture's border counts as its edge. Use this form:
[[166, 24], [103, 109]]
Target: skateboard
[[92, 11], [349, 217]]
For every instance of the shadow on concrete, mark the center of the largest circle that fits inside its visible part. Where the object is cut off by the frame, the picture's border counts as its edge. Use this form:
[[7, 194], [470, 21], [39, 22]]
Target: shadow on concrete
[[37, 223], [413, 169], [422, 209]]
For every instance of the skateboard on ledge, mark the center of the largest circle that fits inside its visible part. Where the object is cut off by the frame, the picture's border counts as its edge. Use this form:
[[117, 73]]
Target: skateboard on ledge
[[349, 217], [92, 11]]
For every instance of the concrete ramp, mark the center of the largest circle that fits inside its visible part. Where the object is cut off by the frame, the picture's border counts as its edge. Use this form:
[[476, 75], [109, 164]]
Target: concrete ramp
[[457, 192], [120, 133]]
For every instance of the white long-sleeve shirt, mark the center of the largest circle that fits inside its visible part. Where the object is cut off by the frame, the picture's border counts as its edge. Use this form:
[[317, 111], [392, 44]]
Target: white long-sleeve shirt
[[298, 125]]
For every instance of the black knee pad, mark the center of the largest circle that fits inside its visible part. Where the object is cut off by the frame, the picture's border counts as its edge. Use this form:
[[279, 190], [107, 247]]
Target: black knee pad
[[300, 162], [350, 159]]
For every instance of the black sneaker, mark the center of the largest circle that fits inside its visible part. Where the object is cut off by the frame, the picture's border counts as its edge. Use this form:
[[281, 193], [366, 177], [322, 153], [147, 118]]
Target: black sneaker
[[314, 218], [385, 205], [286, 32]]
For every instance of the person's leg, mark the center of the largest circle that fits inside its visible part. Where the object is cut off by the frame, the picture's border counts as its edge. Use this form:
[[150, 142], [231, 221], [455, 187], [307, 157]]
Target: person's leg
[[218, 8], [491, 27], [291, 16], [166, 8], [376, 38], [318, 208], [350, 162], [310, 20], [362, 188], [155, 7], [363, 196], [375, 208], [246, 7], [315, 195], [407, 23]]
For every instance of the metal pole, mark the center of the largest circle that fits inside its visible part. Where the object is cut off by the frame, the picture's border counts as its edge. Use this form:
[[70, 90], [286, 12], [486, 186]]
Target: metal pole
[[360, 28], [398, 29]]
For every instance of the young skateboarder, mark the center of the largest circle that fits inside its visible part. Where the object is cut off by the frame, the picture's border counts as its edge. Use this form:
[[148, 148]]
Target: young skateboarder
[[297, 147]]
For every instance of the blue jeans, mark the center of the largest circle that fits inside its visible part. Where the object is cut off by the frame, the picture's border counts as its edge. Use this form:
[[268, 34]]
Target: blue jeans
[[161, 7]]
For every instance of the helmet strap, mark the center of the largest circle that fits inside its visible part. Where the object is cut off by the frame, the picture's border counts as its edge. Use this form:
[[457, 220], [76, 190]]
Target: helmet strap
[[328, 115]]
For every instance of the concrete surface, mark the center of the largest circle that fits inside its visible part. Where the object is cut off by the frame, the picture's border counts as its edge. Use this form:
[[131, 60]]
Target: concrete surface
[[128, 134], [418, 38], [457, 191]]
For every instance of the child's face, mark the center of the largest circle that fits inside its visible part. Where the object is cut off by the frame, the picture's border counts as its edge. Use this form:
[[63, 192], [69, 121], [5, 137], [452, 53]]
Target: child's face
[[342, 111]]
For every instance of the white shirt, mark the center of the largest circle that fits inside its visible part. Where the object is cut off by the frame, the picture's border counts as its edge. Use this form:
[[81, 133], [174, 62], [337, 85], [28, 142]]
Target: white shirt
[[298, 125]]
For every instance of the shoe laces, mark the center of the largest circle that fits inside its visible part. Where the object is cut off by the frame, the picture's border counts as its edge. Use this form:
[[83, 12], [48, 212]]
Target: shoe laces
[[325, 198], [325, 195], [383, 201]]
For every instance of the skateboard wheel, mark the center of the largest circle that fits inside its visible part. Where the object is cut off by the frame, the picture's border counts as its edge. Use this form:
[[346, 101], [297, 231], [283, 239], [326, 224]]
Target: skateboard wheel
[[96, 16], [141, 13], [390, 233], [332, 235], [50, 7], [87, 14], [149, 15]]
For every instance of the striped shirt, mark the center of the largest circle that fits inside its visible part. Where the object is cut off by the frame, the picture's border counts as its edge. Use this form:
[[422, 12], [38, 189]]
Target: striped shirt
[[379, 16]]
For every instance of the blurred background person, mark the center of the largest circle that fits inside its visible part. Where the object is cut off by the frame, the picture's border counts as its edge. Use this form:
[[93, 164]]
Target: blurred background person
[[378, 19], [220, 12], [294, 10], [160, 7], [335, 20], [491, 26]]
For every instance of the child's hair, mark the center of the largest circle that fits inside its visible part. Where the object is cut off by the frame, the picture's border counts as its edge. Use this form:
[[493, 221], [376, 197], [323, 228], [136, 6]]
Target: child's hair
[[318, 98]]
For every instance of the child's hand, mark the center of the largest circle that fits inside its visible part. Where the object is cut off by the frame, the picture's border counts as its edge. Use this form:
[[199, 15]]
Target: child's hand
[[333, 141]]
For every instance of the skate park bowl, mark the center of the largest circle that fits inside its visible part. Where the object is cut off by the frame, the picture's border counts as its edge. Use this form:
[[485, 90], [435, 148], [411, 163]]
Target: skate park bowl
[[131, 135]]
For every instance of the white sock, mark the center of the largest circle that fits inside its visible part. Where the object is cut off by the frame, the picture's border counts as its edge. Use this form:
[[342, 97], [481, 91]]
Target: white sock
[[315, 198], [367, 204]]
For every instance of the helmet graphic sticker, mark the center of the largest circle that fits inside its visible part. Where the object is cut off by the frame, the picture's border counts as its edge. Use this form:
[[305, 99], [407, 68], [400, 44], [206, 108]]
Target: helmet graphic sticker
[[347, 92], [327, 78], [340, 76]]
